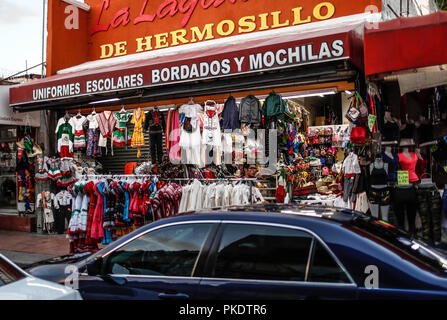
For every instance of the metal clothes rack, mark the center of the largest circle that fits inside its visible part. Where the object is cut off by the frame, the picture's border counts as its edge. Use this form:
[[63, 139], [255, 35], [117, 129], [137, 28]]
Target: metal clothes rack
[[219, 179], [175, 179]]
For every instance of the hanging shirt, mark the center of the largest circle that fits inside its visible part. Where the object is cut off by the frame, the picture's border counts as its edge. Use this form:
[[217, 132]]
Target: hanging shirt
[[351, 165], [393, 165], [65, 138], [64, 198], [106, 123]]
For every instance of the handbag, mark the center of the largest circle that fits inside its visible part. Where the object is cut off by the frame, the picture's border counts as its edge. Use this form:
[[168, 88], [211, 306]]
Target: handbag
[[358, 135], [352, 114]]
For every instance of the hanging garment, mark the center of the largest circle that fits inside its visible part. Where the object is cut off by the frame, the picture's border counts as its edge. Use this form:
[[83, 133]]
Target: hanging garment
[[54, 172], [65, 138], [230, 115], [172, 136], [46, 201], [119, 137], [93, 137], [77, 123], [190, 133], [250, 110], [393, 165], [98, 216], [42, 169], [138, 137], [211, 135], [106, 123]]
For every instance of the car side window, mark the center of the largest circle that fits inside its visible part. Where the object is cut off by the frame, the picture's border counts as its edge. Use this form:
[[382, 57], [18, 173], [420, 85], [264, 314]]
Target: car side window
[[263, 253], [169, 251], [324, 268]]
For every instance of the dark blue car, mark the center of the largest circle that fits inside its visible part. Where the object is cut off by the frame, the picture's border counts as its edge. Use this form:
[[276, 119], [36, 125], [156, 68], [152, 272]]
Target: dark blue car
[[260, 252]]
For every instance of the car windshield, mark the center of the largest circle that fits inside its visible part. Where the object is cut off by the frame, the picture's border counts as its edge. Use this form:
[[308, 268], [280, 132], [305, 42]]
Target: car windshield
[[413, 249], [9, 273]]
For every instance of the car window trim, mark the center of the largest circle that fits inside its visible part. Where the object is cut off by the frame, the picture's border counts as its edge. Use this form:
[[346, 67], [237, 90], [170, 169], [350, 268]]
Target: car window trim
[[309, 259], [306, 283], [215, 225], [280, 225]]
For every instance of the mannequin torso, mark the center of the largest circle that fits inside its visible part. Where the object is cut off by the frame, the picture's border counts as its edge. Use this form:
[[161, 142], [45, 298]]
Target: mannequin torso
[[379, 173], [407, 161]]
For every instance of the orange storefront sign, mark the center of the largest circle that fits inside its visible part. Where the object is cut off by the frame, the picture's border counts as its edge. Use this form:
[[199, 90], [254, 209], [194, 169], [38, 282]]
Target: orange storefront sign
[[113, 28]]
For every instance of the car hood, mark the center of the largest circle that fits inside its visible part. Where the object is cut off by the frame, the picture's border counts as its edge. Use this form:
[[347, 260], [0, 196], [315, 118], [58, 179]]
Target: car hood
[[66, 259], [31, 288], [53, 272]]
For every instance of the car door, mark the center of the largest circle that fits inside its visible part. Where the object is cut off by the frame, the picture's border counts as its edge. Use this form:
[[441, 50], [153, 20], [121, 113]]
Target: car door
[[253, 261], [159, 264]]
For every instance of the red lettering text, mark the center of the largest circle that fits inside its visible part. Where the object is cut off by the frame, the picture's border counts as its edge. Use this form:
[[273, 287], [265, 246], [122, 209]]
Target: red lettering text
[[121, 17], [144, 17], [170, 6], [101, 27]]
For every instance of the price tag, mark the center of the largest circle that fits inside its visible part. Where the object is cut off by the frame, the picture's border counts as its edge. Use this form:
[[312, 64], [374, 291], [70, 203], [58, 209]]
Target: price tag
[[371, 121], [403, 178]]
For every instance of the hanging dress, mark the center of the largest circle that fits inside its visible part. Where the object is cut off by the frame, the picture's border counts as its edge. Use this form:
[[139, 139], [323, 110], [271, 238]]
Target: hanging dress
[[65, 138], [93, 135], [138, 119], [119, 137], [77, 123], [98, 216]]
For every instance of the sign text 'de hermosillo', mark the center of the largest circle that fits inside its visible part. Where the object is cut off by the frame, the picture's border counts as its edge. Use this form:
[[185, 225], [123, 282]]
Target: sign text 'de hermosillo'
[[233, 63]]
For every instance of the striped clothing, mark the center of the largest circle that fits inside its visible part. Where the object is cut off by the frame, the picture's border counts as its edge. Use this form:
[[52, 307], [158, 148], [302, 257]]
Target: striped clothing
[[106, 122]]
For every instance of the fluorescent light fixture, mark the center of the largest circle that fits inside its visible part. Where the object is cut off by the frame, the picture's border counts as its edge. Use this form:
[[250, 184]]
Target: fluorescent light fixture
[[103, 101], [321, 94], [348, 92]]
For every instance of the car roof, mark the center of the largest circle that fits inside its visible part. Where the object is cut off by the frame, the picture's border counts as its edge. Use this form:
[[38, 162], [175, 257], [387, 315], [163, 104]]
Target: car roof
[[290, 211]]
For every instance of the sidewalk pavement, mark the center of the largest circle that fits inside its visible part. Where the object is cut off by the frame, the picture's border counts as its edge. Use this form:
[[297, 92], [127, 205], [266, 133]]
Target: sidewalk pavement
[[24, 248]]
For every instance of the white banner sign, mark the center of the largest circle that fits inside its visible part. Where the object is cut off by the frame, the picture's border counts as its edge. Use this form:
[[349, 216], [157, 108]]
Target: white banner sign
[[9, 117]]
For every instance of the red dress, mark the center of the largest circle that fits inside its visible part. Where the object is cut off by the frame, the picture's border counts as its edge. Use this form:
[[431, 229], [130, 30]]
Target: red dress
[[97, 231]]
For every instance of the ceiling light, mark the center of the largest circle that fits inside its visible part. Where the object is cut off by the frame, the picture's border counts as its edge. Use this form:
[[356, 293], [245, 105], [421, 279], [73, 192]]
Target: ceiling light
[[321, 94], [103, 101]]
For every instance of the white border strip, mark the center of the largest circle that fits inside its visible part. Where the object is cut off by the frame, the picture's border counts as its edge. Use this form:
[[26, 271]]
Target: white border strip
[[78, 4]]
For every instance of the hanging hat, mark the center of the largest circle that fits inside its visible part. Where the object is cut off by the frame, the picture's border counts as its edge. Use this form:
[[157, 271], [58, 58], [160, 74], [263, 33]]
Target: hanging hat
[[21, 143], [324, 190], [37, 151]]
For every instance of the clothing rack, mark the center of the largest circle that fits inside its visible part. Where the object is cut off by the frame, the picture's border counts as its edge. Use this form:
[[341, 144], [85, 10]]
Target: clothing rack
[[219, 179], [174, 179]]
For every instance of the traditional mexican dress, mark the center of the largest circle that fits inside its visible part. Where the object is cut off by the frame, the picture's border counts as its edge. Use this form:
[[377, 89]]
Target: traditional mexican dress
[[119, 137], [77, 123], [138, 119], [65, 138]]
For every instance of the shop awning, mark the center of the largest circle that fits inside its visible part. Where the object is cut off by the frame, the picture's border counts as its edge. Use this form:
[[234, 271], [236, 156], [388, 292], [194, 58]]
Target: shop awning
[[422, 80], [406, 43], [162, 75]]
